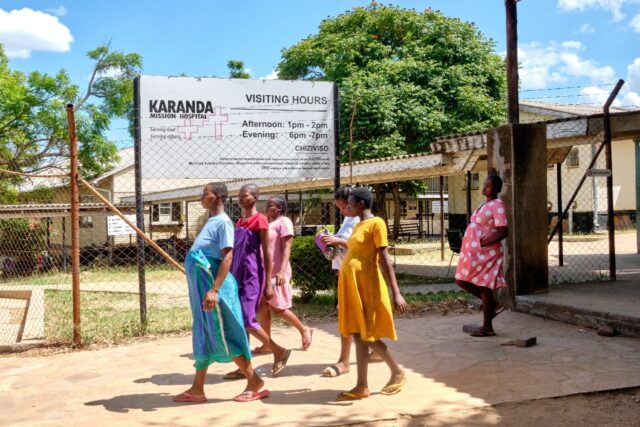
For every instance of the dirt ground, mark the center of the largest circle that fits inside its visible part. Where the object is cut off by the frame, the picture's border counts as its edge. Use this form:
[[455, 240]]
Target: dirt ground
[[608, 408], [619, 408]]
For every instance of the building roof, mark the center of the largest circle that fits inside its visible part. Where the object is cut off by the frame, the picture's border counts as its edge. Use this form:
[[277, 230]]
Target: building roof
[[562, 110]]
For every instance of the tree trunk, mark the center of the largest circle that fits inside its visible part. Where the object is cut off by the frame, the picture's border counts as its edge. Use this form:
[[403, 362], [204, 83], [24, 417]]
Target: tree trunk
[[380, 193], [397, 211]]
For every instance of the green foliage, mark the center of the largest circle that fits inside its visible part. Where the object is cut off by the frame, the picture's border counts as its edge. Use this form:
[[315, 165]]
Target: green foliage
[[310, 270], [33, 118], [236, 70], [22, 241], [414, 76]]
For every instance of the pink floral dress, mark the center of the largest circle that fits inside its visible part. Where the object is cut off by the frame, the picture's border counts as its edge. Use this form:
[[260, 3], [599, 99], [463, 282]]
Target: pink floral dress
[[482, 266]]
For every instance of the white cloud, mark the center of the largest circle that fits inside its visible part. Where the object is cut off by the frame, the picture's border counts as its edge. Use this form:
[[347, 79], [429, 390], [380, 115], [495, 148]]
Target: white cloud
[[633, 76], [57, 11], [635, 23], [629, 95], [556, 62], [25, 30], [612, 6], [273, 75], [587, 28]]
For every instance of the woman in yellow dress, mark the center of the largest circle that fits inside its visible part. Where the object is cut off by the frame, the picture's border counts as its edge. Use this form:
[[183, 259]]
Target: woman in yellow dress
[[364, 305]]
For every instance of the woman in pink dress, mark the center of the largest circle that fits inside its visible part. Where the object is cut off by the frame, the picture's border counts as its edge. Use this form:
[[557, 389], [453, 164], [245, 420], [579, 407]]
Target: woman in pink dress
[[479, 270], [280, 241]]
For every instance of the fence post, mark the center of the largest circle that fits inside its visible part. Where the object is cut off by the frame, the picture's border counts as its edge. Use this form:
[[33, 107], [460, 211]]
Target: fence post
[[75, 225], [560, 218], [142, 285], [609, 165]]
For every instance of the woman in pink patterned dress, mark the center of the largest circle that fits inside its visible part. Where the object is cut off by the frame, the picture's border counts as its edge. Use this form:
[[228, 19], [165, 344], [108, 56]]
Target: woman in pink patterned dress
[[479, 270]]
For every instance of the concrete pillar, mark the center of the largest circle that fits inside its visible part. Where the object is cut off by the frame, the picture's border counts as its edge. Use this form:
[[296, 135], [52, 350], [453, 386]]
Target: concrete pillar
[[518, 154], [636, 142]]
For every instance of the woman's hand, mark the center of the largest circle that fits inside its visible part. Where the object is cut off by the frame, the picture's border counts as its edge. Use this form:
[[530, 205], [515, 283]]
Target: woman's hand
[[280, 279], [399, 303], [329, 239], [210, 300], [268, 291]]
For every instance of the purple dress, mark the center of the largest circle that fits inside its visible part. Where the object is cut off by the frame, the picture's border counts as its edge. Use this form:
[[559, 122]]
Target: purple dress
[[247, 266]]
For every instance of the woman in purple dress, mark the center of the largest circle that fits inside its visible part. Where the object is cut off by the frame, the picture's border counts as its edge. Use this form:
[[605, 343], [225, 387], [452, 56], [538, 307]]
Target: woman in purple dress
[[250, 269]]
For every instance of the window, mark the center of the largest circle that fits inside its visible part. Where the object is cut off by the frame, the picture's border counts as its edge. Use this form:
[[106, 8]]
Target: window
[[86, 221], [166, 213], [475, 181], [573, 158]]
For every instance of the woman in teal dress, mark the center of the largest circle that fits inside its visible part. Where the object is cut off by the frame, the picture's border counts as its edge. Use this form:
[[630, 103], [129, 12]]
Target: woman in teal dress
[[218, 330]]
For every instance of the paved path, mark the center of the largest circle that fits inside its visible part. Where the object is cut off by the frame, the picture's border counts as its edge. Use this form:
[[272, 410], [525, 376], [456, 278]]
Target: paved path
[[448, 371]]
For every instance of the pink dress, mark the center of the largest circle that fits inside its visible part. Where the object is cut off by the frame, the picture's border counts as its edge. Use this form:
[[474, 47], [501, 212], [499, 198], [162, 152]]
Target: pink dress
[[280, 228], [477, 265]]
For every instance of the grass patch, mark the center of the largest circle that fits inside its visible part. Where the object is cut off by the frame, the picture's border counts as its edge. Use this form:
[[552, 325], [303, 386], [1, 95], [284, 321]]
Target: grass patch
[[94, 274], [322, 306], [108, 317], [405, 279]]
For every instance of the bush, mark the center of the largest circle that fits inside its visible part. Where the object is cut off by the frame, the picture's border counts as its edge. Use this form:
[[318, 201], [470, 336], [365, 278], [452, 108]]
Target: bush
[[310, 270], [21, 241]]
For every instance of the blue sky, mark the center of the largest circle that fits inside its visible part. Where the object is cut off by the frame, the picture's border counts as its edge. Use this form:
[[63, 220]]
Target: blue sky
[[582, 45]]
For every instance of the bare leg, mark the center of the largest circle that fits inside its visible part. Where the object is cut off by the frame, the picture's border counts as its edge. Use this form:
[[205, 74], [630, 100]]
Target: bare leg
[[291, 318], [381, 349], [264, 318], [362, 362], [279, 352], [470, 287], [488, 309], [197, 388], [254, 382], [345, 352]]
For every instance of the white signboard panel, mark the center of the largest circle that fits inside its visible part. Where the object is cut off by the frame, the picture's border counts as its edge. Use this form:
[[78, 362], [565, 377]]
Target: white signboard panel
[[117, 227], [435, 207], [236, 128]]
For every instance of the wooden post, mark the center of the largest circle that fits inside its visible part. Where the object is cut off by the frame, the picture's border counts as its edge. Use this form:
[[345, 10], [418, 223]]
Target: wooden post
[[75, 225], [441, 218], [559, 190], [512, 61]]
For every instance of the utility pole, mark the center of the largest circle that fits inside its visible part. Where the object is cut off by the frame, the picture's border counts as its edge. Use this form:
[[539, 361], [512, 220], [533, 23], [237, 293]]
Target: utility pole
[[512, 61]]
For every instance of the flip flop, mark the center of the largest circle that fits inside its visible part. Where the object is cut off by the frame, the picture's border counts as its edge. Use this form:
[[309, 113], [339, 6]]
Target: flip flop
[[499, 309], [188, 398], [332, 371], [394, 388], [280, 365], [260, 350], [347, 396], [249, 395], [307, 343], [233, 375], [482, 333]]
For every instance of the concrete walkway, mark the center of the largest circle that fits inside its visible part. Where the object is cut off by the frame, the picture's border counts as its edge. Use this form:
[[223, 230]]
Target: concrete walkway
[[448, 371]]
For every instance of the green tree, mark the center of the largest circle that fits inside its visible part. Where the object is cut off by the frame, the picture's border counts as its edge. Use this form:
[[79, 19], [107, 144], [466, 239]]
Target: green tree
[[236, 70], [414, 76], [33, 120]]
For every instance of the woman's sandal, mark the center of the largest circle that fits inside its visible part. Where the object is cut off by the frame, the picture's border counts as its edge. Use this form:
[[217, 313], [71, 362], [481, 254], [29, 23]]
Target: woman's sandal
[[499, 309], [482, 333], [332, 371], [234, 375], [394, 388], [347, 396]]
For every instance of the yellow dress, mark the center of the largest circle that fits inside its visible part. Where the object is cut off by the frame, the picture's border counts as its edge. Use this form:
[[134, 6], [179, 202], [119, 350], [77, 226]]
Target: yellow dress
[[364, 306]]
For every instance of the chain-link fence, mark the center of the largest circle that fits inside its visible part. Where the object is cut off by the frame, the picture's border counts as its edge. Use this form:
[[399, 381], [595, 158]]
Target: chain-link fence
[[425, 198]]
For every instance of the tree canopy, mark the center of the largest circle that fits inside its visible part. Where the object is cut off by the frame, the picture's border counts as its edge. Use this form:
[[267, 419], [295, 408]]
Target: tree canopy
[[414, 76], [33, 120], [236, 70]]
